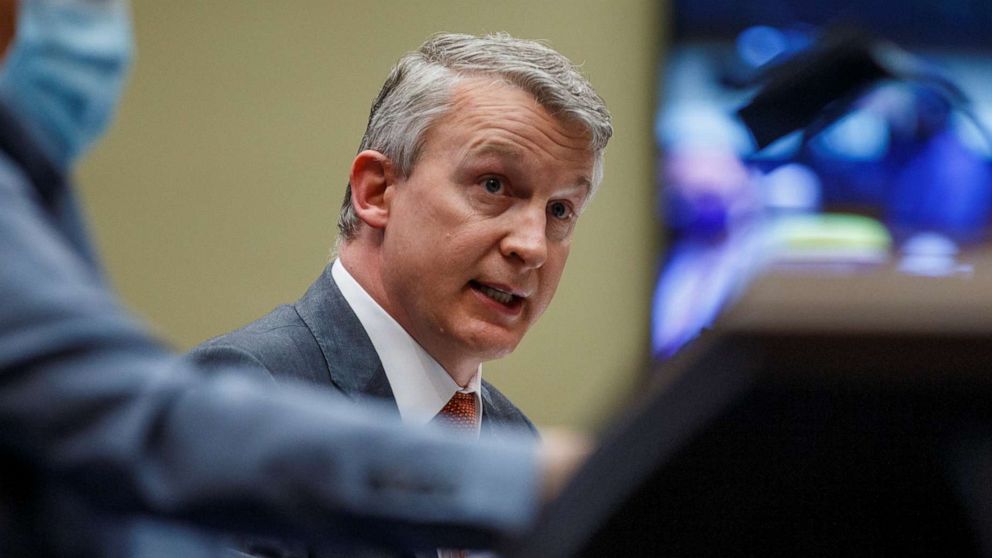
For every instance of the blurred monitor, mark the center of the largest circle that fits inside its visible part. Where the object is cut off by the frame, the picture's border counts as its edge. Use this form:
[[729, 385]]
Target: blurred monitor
[[904, 163]]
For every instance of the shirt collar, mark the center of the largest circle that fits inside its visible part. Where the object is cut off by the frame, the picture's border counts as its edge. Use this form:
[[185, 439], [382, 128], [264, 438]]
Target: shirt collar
[[420, 384]]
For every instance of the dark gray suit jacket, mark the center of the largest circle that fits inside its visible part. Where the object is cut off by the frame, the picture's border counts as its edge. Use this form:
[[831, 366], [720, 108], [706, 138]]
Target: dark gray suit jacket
[[319, 340]]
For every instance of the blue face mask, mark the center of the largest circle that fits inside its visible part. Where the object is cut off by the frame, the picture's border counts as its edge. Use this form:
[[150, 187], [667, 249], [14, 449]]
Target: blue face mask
[[65, 70]]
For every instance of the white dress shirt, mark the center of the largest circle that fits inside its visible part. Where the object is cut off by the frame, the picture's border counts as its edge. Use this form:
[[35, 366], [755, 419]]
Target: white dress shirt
[[420, 385]]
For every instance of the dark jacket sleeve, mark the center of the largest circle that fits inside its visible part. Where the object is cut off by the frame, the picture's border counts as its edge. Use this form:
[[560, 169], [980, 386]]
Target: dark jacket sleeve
[[88, 398]]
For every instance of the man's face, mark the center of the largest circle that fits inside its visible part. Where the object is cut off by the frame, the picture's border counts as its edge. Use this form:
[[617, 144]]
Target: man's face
[[478, 234]]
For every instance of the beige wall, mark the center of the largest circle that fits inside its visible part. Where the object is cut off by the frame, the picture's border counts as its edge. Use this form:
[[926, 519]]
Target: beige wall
[[215, 196]]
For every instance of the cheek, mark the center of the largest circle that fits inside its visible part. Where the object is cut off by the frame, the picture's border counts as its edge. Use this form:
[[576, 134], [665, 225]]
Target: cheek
[[467, 241]]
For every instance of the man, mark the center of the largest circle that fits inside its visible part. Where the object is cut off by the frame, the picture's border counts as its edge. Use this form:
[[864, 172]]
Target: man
[[479, 156], [99, 424]]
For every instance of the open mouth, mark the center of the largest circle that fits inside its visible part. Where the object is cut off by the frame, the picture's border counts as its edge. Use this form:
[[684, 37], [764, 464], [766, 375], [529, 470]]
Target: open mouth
[[502, 297]]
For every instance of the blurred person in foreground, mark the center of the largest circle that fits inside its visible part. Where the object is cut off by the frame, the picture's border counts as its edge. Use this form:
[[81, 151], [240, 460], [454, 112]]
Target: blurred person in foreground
[[101, 427]]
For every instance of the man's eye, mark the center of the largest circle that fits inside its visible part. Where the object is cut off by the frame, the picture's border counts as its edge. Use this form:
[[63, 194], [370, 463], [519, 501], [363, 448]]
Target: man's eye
[[493, 185], [559, 210]]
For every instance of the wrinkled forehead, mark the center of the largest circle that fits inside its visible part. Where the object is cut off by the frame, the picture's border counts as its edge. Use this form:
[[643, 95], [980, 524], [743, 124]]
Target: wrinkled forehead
[[491, 102], [499, 100]]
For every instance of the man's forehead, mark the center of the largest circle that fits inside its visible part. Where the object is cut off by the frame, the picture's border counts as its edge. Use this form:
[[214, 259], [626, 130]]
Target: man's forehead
[[490, 119], [508, 151], [476, 92], [496, 103]]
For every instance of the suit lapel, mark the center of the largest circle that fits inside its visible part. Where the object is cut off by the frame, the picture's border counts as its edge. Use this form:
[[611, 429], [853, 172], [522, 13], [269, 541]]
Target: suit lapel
[[353, 366], [352, 363], [492, 416]]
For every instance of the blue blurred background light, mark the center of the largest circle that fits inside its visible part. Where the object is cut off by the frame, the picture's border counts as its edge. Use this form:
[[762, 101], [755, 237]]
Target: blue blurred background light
[[861, 135], [761, 44], [961, 24], [932, 255], [792, 188], [708, 193], [943, 187], [700, 124]]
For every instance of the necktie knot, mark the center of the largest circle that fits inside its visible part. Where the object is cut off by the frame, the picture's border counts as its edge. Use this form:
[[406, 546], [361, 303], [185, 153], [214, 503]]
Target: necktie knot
[[460, 413]]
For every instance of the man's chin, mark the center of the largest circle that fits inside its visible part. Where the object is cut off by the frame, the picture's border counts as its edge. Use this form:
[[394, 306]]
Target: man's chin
[[491, 345]]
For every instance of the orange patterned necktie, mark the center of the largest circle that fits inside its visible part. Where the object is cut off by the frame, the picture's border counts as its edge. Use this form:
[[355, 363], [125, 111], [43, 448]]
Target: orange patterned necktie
[[460, 413]]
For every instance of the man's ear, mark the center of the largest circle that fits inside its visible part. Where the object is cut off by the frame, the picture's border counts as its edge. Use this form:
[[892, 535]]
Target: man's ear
[[371, 177]]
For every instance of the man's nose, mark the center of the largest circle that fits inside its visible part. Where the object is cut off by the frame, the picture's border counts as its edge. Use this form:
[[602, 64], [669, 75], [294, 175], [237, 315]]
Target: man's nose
[[526, 239]]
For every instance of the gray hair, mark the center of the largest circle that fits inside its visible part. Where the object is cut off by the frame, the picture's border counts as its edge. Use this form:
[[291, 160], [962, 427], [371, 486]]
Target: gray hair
[[418, 91]]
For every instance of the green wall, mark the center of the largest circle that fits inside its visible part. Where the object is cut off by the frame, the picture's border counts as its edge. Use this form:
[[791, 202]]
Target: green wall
[[215, 196]]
